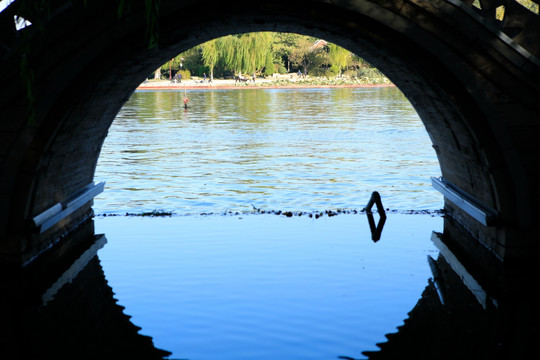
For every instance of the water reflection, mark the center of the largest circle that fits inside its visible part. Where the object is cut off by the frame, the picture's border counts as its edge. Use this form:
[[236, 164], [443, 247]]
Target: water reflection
[[74, 314], [69, 314], [448, 322], [376, 230], [464, 314]]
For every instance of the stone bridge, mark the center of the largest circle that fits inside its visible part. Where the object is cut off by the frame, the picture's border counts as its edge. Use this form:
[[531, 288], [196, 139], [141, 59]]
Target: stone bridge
[[471, 70]]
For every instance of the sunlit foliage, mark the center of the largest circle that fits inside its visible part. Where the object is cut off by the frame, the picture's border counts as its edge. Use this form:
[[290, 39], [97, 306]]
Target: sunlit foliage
[[264, 54]]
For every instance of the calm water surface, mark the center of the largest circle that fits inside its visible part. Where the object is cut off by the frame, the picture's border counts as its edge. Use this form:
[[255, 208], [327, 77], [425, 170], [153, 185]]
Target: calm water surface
[[266, 286]]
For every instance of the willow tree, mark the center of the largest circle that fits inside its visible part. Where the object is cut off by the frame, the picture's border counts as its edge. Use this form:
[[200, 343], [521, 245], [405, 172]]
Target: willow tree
[[246, 52], [339, 57], [210, 55], [229, 53], [260, 49]]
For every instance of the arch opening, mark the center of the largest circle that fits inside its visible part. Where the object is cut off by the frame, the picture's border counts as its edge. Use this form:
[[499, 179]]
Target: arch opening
[[304, 141], [463, 93]]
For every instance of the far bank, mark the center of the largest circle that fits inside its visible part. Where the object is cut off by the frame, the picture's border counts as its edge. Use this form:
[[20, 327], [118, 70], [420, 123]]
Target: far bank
[[272, 83]]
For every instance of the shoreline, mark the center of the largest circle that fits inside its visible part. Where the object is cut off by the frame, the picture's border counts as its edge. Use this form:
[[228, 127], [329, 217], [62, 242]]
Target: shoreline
[[231, 85]]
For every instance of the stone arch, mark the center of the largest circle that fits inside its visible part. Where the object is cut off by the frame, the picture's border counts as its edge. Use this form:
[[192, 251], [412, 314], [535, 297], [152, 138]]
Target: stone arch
[[474, 88]]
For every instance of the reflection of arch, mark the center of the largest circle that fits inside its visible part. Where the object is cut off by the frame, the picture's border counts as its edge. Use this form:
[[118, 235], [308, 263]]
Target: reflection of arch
[[459, 329], [435, 332], [458, 317], [81, 320], [474, 88]]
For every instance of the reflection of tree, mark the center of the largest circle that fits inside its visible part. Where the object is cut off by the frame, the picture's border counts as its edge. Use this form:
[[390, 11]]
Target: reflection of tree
[[254, 105], [83, 321]]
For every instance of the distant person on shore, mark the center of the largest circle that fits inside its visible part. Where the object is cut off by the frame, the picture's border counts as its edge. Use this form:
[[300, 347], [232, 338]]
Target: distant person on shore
[[176, 79], [254, 77], [204, 75]]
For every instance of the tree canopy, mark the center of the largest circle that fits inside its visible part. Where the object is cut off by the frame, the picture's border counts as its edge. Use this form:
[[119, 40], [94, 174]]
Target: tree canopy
[[266, 53]]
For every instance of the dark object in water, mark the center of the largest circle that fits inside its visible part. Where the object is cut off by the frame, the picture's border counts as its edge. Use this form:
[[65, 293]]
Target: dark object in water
[[375, 230]]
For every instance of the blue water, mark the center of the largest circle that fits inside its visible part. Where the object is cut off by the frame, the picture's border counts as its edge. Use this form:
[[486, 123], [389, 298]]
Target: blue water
[[267, 286], [296, 150], [252, 286]]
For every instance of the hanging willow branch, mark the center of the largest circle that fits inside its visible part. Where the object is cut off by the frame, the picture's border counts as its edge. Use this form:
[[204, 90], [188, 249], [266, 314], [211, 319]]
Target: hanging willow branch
[[151, 14], [27, 77], [38, 12], [152, 24], [123, 8]]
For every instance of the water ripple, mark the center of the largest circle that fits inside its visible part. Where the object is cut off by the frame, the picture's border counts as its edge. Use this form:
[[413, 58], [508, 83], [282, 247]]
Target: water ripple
[[279, 149]]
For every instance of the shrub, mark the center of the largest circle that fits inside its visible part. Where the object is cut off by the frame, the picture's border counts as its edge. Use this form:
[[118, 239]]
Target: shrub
[[185, 74]]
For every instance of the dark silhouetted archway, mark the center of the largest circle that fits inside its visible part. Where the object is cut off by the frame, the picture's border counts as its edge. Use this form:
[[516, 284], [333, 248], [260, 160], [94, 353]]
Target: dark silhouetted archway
[[475, 89]]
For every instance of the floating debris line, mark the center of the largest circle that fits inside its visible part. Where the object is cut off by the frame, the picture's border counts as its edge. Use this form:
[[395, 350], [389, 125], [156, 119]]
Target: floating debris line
[[287, 213]]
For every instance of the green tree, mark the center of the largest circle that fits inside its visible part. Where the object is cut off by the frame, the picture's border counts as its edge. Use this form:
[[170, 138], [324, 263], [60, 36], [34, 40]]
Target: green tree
[[246, 52], [307, 57], [210, 55], [189, 60], [229, 53], [269, 65], [283, 43], [253, 52], [338, 57]]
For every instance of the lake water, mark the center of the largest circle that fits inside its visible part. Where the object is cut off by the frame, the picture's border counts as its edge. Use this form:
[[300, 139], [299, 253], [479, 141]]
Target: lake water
[[275, 149], [267, 287], [256, 286]]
